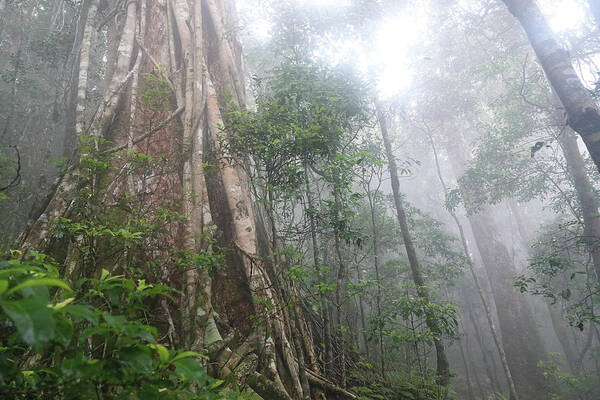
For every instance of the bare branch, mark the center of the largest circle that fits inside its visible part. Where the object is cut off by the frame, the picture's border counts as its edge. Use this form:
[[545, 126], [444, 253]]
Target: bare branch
[[17, 178]]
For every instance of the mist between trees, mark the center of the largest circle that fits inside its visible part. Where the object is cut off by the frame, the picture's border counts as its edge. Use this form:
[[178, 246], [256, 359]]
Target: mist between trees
[[341, 199]]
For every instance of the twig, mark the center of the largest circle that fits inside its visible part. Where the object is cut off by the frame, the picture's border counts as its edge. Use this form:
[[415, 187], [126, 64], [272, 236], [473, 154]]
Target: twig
[[15, 181]]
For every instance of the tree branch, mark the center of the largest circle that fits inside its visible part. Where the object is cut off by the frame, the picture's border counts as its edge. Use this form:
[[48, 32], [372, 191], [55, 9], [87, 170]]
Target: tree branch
[[146, 135], [15, 181]]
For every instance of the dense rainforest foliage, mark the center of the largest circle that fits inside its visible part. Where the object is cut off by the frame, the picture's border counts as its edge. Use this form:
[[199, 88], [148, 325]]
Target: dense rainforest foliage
[[300, 199]]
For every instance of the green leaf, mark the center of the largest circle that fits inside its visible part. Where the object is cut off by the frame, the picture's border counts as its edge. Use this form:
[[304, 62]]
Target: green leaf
[[62, 304], [63, 331], [215, 384], [104, 274], [137, 358], [82, 311], [19, 270], [40, 282], [3, 286], [162, 351], [190, 369], [187, 354], [33, 319]]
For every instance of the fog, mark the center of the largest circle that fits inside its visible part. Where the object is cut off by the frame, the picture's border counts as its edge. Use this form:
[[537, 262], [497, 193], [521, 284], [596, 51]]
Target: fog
[[343, 199]]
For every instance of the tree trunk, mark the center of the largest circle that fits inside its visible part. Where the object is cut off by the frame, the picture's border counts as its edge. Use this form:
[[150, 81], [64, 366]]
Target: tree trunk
[[326, 332], [585, 195], [467, 371], [581, 109], [443, 366], [378, 292], [520, 336], [193, 40], [482, 297], [363, 344], [488, 361], [340, 299], [561, 328], [559, 323]]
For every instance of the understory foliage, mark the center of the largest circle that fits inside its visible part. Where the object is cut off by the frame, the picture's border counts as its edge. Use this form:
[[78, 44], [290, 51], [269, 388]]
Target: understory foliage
[[89, 340], [561, 271], [317, 168], [89, 327]]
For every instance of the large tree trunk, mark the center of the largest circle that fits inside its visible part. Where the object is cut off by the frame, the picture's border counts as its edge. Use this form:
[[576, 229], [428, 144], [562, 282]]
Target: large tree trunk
[[585, 195], [520, 337], [470, 264], [581, 109], [561, 328], [192, 39], [443, 366]]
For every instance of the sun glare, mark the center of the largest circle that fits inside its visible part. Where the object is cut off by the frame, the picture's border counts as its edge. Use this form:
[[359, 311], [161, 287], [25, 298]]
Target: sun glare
[[323, 3], [387, 59], [395, 42], [564, 15]]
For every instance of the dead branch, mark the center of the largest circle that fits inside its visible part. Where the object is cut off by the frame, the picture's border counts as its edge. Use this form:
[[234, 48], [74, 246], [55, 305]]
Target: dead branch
[[17, 178]]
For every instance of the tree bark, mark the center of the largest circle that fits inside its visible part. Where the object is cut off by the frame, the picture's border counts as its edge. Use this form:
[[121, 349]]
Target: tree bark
[[488, 363], [585, 195], [84, 62], [520, 336], [372, 197], [470, 264], [470, 390], [559, 324], [443, 366], [581, 109], [326, 332], [193, 40]]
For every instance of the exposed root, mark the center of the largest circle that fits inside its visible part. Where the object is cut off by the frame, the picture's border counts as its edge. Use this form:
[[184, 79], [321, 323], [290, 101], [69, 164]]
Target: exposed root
[[265, 388], [328, 386]]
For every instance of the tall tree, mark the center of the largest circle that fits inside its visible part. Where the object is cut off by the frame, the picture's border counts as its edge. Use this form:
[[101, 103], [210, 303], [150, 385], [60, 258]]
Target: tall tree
[[586, 196], [582, 111], [203, 78], [520, 336], [443, 366], [470, 264]]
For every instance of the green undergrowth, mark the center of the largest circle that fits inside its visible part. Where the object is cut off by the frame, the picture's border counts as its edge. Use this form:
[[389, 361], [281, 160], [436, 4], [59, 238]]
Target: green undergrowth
[[368, 384], [76, 342]]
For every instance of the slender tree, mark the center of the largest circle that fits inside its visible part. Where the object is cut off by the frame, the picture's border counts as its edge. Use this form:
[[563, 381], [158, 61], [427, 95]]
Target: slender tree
[[443, 366]]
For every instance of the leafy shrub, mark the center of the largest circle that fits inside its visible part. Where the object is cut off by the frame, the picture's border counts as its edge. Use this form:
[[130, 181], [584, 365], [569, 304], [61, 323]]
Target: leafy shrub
[[74, 343]]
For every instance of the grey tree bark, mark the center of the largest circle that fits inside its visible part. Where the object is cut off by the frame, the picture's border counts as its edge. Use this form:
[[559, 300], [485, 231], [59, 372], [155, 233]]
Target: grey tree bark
[[470, 264], [583, 114], [559, 323], [443, 366], [585, 196], [520, 337]]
